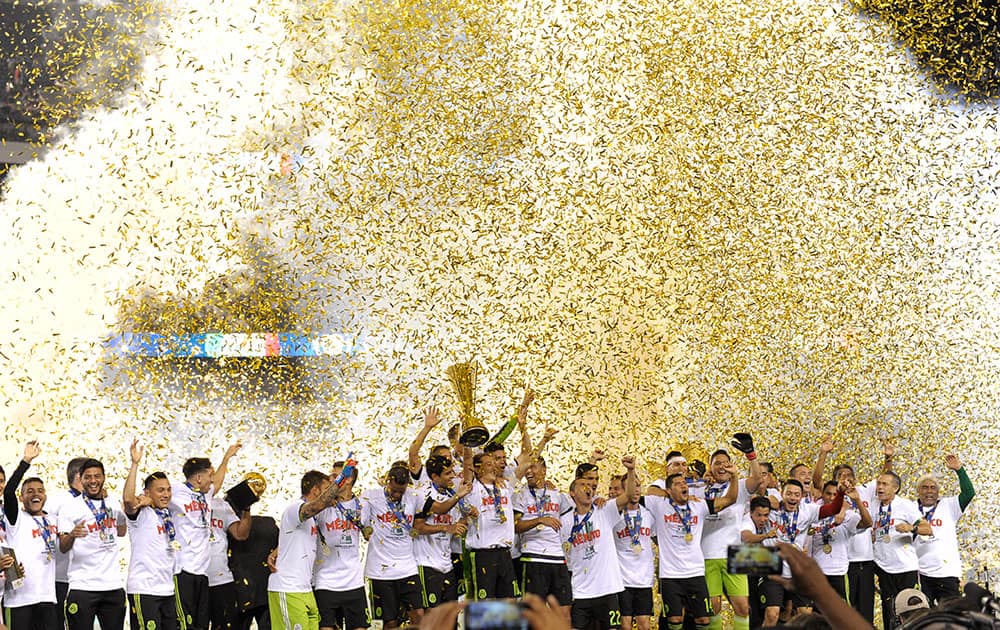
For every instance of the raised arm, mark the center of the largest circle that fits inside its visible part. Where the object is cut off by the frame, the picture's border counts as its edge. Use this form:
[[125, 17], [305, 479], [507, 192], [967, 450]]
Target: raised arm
[[522, 422], [443, 507], [431, 420], [743, 442], [732, 494], [327, 498], [630, 483], [825, 447], [10, 509], [129, 500], [468, 469], [888, 451], [965, 489], [832, 508], [219, 477], [241, 528], [851, 490]]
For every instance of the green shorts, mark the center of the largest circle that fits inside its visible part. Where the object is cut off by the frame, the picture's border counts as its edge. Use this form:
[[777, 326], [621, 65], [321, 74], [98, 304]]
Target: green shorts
[[293, 611], [720, 581]]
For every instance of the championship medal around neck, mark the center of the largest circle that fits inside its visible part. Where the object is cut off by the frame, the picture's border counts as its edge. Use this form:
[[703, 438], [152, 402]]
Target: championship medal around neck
[[827, 548], [688, 537]]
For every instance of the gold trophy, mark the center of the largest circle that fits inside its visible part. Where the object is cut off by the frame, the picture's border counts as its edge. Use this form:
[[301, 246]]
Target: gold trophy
[[247, 492], [463, 380]]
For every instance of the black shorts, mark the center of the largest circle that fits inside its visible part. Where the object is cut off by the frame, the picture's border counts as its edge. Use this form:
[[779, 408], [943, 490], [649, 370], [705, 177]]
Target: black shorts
[[392, 599], [32, 616], [685, 594], [599, 612], [774, 595], [547, 578], [153, 611], [83, 607], [343, 609], [636, 602], [436, 588], [492, 574]]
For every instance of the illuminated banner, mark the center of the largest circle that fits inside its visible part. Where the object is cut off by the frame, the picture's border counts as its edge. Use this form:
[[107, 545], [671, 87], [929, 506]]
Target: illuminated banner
[[217, 345]]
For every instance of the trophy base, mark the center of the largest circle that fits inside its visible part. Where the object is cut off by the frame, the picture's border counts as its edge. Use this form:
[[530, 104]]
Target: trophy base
[[474, 436]]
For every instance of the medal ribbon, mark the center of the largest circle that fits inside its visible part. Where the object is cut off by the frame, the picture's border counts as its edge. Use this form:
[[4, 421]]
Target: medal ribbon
[[463, 505], [884, 518], [47, 537], [634, 526], [202, 503], [826, 529], [928, 514], [3, 520], [352, 515], [168, 523], [716, 491], [684, 514], [495, 493], [790, 525], [580, 524], [396, 508], [99, 515], [539, 505]]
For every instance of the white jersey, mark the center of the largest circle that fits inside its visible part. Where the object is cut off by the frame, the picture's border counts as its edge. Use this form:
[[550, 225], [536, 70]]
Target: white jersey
[[192, 526], [860, 547], [53, 505], [793, 527], [3, 542], [297, 542], [592, 559], [34, 539], [830, 542], [153, 563], [938, 554], [542, 543], [339, 567], [636, 563], [893, 550], [723, 528], [434, 550], [490, 530], [218, 542], [93, 559], [696, 487], [390, 549], [747, 525], [678, 530]]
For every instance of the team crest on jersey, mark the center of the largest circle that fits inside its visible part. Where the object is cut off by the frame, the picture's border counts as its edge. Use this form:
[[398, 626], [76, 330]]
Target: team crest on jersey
[[72, 608], [150, 625], [482, 593], [432, 598]]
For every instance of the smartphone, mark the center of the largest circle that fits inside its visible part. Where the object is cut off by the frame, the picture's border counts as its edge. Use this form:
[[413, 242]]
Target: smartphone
[[753, 559], [495, 614]]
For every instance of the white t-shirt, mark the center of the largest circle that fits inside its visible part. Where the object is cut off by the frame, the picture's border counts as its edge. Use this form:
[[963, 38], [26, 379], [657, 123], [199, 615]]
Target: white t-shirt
[[29, 545], [153, 563], [341, 569], [636, 568], [542, 543], [489, 530], [696, 487], [793, 527], [390, 549], [938, 554], [898, 555], [679, 557], [860, 547], [592, 558], [434, 550], [93, 560], [747, 525], [297, 542], [3, 541], [218, 543], [192, 526], [53, 505], [723, 528], [825, 532]]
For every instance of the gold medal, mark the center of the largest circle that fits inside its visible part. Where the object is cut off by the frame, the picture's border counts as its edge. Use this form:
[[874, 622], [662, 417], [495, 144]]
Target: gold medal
[[326, 548], [503, 517], [367, 532], [175, 545], [567, 548], [827, 548], [636, 548], [414, 533], [688, 537], [887, 539]]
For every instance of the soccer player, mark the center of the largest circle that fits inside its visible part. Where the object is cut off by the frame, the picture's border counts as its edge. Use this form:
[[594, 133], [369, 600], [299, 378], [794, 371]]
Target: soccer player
[[223, 602], [390, 565], [861, 569], [723, 529], [338, 579], [248, 561], [93, 523], [432, 548], [416, 465], [155, 544], [831, 536], [491, 535], [536, 517], [34, 537], [289, 589], [757, 529], [634, 545], [939, 560], [679, 526], [588, 532], [792, 521], [53, 504], [893, 531], [191, 500]]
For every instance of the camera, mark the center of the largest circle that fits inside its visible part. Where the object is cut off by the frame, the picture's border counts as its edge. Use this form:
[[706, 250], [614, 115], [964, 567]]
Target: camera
[[755, 559], [495, 614]]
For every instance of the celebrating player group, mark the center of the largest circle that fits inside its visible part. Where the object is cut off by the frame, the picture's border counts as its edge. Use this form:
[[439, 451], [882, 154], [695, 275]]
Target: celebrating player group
[[468, 524]]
